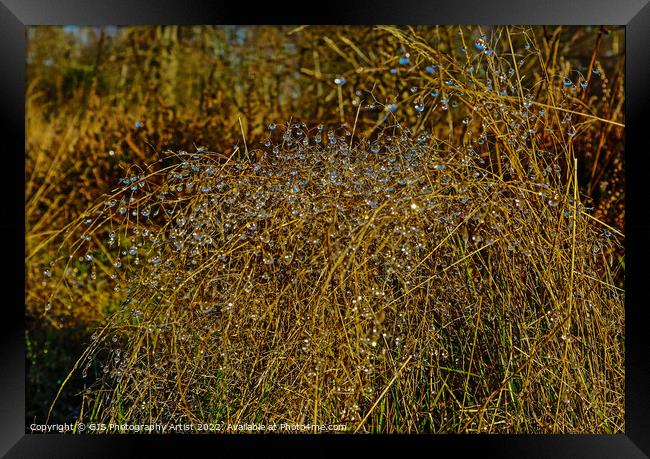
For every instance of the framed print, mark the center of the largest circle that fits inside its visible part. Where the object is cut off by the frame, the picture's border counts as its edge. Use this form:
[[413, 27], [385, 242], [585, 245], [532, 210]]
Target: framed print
[[413, 226]]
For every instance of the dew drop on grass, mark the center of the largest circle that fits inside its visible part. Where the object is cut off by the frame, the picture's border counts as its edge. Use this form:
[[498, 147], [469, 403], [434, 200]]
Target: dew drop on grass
[[287, 258]]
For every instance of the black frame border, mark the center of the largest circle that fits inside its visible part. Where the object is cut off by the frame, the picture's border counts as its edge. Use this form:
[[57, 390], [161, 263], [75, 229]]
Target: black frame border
[[17, 15]]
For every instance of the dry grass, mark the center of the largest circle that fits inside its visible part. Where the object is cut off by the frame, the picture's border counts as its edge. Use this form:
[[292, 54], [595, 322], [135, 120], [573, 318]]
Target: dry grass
[[432, 266]]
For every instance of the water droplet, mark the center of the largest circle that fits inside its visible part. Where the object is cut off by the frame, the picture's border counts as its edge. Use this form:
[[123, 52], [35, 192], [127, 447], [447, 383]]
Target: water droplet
[[567, 82], [287, 258], [340, 81]]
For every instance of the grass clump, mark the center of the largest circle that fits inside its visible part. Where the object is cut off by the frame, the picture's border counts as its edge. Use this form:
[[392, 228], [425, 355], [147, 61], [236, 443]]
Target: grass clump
[[403, 290]]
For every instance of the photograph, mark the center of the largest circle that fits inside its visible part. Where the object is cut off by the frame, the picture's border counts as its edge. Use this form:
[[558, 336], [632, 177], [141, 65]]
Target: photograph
[[325, 229]]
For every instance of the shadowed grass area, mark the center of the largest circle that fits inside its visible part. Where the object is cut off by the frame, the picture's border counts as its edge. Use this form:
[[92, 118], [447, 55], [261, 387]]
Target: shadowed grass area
[[436, 248], [51, 353]]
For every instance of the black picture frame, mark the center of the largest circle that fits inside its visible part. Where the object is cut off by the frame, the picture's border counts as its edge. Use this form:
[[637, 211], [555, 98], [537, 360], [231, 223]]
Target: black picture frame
[[17, 15]]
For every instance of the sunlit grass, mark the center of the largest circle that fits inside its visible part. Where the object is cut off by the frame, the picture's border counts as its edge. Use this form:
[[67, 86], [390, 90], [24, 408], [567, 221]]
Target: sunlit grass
[[433, 264]]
